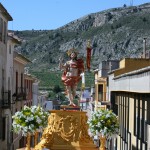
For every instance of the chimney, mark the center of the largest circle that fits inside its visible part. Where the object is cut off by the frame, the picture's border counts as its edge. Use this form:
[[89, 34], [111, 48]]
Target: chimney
[[144, 48]]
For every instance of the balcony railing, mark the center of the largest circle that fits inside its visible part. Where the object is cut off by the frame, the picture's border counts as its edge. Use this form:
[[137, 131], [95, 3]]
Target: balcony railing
[[5, 102], [20, 94]]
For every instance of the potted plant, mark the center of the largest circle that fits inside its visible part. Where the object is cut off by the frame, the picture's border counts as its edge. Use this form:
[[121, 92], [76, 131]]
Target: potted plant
[[29, 120], [103, 123]]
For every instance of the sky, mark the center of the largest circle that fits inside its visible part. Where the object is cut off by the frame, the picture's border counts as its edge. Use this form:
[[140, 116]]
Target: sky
[[52, 14]]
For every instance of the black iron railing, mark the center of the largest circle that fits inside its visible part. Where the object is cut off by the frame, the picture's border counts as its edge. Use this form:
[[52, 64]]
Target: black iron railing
[[20, 94]]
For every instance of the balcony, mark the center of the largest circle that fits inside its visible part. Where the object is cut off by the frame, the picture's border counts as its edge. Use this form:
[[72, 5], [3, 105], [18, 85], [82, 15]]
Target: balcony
[[6, 99], [20, 94]]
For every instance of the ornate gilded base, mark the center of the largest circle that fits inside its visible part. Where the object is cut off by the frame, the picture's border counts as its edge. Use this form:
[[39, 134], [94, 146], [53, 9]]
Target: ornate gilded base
[[103, 141], [66, 107], [66, 130], [24, 148]]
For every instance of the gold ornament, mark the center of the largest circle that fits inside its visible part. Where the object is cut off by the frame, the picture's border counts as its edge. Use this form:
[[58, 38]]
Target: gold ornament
[[28, 146], [66, 130], [89, 44], [102, 141], [36, 138], [72, 50]]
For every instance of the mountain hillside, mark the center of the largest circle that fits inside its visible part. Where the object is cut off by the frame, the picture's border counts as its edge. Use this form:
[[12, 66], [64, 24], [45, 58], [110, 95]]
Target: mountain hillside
[[115, 33]]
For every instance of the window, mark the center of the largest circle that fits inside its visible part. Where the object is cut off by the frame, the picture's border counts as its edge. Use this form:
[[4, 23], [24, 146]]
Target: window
[[4, 36], [107, 80], [16, 82], [116, 99], [140, 119], [3, 79], [100, 92], [1, 28], [21, 82], [9, 49], [8, 83]]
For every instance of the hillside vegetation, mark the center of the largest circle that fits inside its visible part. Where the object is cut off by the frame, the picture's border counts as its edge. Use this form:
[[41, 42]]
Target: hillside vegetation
[[48, 80]]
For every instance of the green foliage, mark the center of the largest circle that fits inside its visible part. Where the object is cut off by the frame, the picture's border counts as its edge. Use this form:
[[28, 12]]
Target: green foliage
[[51, 95], [135, 21], [49, 79], [96, 31], [62, 98], [76, 101], [56, 89], [52, 80], [59, 96]]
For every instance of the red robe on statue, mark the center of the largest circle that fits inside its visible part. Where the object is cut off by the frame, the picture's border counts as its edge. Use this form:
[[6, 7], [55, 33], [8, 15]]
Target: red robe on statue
[[73, 80]]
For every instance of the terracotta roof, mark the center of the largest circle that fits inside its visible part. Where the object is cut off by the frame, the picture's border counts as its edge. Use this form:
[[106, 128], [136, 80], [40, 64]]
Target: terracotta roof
[[20, 56], [14, 37]]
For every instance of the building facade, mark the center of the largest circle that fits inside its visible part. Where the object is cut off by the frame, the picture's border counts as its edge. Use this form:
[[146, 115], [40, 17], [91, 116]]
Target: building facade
[[129, 93], [29, 81], [101, 74], [5, 91], [20, 93]]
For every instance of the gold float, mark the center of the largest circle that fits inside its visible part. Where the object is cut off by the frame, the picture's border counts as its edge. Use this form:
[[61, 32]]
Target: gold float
[[66, 130]]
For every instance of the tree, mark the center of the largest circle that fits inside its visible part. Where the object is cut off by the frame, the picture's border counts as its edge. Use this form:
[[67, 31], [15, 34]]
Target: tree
[[56, 89], [124, 5], [144, 19], [51, 95]]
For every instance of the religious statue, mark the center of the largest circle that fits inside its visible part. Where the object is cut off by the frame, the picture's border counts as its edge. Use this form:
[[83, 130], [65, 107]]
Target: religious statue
[[72, 71]]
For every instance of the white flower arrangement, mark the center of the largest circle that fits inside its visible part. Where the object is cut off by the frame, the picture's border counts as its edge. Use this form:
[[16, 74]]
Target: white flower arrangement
[[103, 123], [30, 120]]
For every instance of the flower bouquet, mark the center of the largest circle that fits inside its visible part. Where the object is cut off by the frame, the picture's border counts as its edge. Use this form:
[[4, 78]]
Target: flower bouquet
[[103, 123], [30, 120]]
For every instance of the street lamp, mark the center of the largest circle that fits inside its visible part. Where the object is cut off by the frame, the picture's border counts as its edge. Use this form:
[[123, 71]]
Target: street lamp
[[14, 96]]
